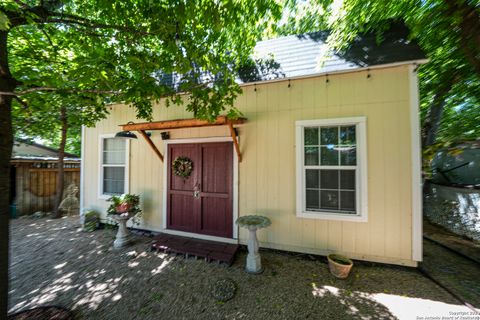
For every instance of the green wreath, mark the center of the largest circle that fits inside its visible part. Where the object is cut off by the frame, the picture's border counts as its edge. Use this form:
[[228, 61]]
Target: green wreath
[[182, 167]]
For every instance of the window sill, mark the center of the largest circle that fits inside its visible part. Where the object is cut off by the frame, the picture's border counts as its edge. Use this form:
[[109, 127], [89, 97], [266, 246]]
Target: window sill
[[332, 216], [104, 196]]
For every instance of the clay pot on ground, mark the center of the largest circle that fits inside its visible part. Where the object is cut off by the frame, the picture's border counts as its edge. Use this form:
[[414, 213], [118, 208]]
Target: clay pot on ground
[[339, 265]]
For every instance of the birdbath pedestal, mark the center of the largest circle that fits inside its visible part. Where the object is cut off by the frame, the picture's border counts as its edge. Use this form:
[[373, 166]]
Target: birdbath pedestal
[[123, 236], [252, 223]]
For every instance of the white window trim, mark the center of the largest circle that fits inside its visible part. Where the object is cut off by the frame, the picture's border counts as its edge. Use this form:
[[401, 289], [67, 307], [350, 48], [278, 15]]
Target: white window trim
[[361, 173], [101, 137]]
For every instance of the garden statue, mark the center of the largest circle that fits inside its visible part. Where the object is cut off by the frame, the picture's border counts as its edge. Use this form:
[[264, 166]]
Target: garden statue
[[121, 209], [253, 223], [70, 204]]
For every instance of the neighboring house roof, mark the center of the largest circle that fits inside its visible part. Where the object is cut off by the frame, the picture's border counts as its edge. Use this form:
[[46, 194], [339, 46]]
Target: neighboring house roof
[[28, 150], [53, 159]]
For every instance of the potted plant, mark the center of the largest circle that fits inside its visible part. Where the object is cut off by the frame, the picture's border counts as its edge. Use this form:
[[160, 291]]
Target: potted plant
[[339, 265], [121, 209]]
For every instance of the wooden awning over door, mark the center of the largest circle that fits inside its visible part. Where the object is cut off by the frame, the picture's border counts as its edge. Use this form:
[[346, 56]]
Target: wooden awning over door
[[182, 124]]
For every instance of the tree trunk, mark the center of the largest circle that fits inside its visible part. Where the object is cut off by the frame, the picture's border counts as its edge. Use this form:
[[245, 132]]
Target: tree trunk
[[433, 119], [468, 20], [8, 84], [61, 156]]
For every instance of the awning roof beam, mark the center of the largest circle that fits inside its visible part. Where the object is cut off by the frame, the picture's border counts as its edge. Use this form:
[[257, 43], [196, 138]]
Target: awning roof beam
[[182, 124]]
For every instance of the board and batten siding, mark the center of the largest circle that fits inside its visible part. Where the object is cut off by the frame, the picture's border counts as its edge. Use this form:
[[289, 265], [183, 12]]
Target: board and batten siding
[[267, 181]]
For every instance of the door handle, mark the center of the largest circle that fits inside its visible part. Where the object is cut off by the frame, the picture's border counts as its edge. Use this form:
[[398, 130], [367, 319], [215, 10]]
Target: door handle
[[196, 193]]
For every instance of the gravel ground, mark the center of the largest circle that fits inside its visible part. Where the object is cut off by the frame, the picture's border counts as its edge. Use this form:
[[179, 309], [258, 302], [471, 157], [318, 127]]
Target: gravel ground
[[54, 263]]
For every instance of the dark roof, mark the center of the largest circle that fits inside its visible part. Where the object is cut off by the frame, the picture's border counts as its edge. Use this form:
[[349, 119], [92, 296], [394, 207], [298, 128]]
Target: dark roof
[[307, 54]]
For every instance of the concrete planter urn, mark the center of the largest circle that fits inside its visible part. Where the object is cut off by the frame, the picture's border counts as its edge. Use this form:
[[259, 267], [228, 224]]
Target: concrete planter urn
[[123, 236], [121, 209], [252, 223]]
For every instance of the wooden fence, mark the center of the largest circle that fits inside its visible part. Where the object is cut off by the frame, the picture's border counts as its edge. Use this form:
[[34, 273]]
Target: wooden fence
[[35, 188]]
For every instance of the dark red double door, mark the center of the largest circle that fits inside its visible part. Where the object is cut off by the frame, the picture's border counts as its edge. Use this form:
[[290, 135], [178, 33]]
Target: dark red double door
[[202, 203]]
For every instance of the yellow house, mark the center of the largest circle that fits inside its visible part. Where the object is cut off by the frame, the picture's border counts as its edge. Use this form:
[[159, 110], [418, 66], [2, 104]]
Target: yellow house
[[329, 150]]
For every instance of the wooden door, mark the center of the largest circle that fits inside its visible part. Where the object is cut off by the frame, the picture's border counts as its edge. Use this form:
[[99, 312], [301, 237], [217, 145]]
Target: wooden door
[[202, 203]]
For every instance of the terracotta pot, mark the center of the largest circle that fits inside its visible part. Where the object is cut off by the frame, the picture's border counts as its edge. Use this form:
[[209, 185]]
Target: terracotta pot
[[339, 265], [124, 207]]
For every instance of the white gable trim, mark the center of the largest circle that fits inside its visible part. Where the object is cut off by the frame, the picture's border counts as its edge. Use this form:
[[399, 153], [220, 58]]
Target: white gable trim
[[412, 63]]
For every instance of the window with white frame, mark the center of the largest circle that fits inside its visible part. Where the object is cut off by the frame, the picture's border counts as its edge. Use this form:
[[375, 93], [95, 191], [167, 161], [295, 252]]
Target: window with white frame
[[113, 165], [331, 169]]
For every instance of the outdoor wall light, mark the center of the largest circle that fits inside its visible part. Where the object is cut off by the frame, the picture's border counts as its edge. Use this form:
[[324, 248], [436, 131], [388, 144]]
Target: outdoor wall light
[[129, 135], [126, 134], [165, 135]]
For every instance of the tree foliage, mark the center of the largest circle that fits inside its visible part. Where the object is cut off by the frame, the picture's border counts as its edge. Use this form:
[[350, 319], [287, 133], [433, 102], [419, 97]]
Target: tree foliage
[[41, 117], [448, 31], [83, 54], [122, 48]]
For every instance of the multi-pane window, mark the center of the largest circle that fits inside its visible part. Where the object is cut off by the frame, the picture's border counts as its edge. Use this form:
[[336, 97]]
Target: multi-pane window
[[113, 166], [329, 168]]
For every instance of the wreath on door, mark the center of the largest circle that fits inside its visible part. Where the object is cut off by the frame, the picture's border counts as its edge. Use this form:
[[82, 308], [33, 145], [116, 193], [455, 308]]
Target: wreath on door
[[182, 167]]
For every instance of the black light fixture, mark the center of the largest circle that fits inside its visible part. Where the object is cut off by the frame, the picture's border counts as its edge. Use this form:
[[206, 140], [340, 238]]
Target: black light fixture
[[126, 134], [165, 135]]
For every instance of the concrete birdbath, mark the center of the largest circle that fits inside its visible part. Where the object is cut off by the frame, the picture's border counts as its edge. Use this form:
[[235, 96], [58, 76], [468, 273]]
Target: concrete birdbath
[[252, 223]]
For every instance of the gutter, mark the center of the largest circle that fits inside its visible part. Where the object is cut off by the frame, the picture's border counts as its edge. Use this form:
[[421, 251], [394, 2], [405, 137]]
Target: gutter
[[319, 74], [417, 62]]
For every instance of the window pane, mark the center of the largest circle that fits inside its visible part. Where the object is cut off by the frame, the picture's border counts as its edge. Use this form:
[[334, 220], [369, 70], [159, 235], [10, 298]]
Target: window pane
[[329, 179], [329, 199], [312, 199], [329, 135], [114, 144], [347, 179], [311, 156], [113, 180], [114, 151], [347, 200], [311, 136], [312, 179], [348, 156], [347, 135], [329, 156], [114, 157]]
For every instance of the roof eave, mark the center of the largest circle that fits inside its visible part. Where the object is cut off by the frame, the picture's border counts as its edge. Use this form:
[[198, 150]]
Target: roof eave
[[319, 74]]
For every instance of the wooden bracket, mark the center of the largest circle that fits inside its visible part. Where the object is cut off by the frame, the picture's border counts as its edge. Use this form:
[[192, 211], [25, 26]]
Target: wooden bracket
[[184, 123], [235, 141], [150, 142]]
